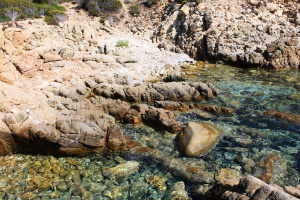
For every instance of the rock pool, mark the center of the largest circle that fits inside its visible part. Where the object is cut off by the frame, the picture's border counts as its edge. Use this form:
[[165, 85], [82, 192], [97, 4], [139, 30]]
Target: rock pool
[[252, 143]]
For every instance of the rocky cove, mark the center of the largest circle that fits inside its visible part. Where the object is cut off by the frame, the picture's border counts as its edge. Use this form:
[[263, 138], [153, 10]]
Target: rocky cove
[[84, 119]]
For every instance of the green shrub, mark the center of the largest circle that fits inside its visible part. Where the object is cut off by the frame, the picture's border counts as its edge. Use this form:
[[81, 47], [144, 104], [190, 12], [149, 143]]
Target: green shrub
[[134, 10], [103, 18], [122, 43], [103, 5], [50, 20], [55, 16], [186, 1], [150, 3], [94, 12], [33, 8], [3, 18]]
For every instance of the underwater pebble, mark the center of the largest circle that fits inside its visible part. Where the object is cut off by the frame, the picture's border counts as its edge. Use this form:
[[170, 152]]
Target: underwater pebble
[[76, 189], [62, 187], [138, 189]]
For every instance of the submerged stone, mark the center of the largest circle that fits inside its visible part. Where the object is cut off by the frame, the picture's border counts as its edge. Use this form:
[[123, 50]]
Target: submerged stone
[[177, 191], [198, 138], [122, 171], [138, 189]]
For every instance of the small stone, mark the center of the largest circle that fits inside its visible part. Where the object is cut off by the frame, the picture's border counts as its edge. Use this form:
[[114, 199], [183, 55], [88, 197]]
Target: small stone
[[138, 189], [76, 189], [62, 187], [177, 191], [122, 171], [86, 195], [156, 181], [28, 196], [44, 185], [97, 177], [56, 194], [97, 187], [226, 173]]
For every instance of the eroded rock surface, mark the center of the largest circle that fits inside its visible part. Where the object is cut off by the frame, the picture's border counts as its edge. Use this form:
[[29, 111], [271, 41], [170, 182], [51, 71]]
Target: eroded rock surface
[[174, 91], [155, 117], [247, 34]]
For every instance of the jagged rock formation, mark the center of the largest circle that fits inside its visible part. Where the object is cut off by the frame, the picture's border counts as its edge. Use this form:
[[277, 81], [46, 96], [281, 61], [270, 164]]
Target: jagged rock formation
[[247, 34]]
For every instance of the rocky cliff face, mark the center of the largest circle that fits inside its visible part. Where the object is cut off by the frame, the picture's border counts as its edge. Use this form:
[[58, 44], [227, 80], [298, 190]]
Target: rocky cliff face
[[245, 33]]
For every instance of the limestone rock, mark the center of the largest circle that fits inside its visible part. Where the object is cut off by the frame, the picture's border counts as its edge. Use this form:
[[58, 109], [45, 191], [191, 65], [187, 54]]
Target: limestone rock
[[198, 138]]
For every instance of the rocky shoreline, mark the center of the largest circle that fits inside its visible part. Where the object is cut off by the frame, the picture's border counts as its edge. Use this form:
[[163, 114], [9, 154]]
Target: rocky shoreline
[[62, 88]]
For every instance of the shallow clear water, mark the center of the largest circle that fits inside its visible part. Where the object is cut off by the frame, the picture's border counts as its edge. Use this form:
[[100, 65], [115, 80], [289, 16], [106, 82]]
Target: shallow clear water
[[252, 143]]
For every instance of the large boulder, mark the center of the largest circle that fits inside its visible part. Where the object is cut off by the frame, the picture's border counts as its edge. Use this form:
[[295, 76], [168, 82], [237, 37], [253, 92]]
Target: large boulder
[[198, 138]]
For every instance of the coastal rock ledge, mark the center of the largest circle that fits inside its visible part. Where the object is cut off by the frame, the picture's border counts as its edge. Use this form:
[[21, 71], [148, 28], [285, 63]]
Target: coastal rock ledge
[[250, 188]]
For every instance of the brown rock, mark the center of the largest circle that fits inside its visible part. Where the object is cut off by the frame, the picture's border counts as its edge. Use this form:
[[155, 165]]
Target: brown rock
[[156, 117], [4, 148], [290, 117], [198, 138], [250, 183], [170, 105], [115, 138], [267, 165], [214, 109]]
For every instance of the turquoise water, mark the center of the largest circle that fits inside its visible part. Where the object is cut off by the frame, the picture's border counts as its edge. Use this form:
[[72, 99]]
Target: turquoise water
[[252, 143]]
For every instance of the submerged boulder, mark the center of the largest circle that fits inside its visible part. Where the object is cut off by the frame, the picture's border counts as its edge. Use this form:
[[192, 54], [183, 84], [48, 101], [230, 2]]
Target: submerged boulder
[[198, 138]]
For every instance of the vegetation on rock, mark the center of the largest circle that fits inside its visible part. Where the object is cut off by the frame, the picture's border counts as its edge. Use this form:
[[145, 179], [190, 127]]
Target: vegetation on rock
[[150, 3], [55, 16], [122, 43], [29, 9], [95, 6], [12, 13], [135, 10]]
